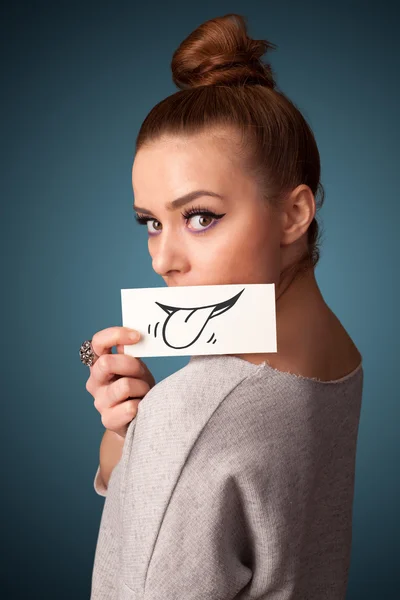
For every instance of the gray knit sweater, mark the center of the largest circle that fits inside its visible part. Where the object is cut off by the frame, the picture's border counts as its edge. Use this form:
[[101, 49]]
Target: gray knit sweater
[[236, 481]]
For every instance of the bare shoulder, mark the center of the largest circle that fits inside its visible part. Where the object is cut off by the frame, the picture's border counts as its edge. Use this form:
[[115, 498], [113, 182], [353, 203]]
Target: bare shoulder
[[341, 355], [331, 355], [324, 351]]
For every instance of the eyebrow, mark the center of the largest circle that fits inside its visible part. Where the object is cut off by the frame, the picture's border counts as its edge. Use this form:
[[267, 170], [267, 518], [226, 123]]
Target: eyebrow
[[181, 201]]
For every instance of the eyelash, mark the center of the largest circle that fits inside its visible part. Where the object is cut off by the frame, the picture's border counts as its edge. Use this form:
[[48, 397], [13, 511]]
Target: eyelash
[[195, 210]]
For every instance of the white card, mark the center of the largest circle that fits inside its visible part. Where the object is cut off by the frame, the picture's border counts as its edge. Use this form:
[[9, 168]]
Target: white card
[[203, 319]]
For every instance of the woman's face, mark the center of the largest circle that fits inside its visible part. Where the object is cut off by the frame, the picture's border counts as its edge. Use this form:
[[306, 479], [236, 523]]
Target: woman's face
[[241, 244]]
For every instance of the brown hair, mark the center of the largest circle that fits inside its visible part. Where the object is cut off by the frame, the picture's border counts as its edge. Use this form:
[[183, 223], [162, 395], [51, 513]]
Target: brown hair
[[223, 85]]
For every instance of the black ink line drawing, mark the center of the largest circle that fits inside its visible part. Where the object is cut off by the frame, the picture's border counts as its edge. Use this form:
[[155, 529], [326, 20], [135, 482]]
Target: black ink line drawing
[[169, 332]]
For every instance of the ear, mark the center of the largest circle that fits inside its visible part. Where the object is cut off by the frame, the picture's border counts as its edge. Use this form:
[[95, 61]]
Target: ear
[[297, 214]]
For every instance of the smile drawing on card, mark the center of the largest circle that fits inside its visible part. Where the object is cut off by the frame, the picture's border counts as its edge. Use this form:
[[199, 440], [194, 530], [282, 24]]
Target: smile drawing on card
[[183, 326]]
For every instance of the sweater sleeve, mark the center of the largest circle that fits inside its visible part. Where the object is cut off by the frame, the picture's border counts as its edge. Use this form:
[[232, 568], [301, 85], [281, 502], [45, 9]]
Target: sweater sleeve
[[236, 515], [99, 485], [204, 541], [106, 560]]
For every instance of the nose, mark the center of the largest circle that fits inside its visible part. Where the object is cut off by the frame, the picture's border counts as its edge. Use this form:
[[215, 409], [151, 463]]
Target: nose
[[168, 253]]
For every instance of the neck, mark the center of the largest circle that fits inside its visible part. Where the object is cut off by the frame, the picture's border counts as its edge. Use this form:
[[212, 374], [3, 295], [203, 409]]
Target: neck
[[297, 291], [299, 307]]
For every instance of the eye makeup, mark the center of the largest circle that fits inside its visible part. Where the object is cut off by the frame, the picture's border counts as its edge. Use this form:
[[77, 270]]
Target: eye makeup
[[187, 214]]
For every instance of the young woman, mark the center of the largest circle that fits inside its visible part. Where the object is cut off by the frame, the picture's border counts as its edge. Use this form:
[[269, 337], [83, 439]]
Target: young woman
[[234, 477]]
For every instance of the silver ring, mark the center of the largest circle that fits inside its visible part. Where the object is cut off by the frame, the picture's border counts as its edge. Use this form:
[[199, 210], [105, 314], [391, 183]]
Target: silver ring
[[86, 353]]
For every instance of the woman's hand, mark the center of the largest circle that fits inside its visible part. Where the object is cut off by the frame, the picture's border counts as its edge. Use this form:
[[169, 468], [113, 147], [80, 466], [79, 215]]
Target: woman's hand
[[119, 381]]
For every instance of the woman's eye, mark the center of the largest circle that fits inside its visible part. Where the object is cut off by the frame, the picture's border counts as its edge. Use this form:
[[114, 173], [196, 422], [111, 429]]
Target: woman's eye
[[145, 221], [152, 222], [201, 220]]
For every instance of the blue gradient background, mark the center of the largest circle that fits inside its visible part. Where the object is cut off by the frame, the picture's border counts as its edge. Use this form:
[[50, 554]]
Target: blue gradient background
[[78, 80]]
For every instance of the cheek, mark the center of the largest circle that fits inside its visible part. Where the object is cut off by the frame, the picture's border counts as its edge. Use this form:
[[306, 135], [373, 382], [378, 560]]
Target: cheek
[[246, 244], [250, 254], [233, 254]]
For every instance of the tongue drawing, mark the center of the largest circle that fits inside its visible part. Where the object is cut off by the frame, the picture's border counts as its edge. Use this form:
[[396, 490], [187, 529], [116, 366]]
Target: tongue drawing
[[183, 326]]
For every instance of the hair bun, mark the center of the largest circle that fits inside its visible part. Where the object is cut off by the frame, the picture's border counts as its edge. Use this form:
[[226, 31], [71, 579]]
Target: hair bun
[[219, 52]]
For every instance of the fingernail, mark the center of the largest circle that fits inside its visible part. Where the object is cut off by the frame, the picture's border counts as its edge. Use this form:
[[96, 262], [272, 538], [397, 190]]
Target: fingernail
[[134, 335]]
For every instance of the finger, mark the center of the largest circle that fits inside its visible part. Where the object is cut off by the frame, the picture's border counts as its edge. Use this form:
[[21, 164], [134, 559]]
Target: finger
[[104, 340], [120, 390], [109, 365], [117, 417], [148, 374]]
